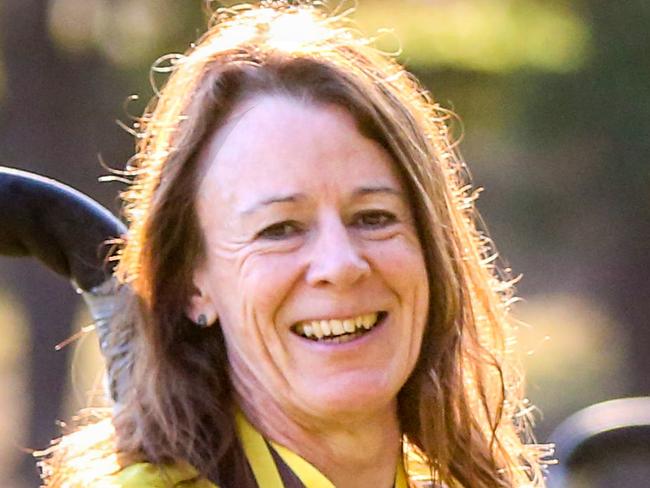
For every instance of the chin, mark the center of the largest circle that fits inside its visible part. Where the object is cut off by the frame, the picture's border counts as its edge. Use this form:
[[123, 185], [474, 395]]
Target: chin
[[351, 399]]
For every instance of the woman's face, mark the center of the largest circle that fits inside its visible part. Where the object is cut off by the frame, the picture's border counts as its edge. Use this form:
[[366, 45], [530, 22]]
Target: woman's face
[[313, 265]]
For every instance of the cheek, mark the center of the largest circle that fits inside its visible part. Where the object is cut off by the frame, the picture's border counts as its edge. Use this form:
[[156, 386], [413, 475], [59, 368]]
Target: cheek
[[401, 263], [256, 289], [249, 302]]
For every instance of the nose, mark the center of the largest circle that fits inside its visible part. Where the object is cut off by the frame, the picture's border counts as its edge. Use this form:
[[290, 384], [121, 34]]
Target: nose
[[335, 258]]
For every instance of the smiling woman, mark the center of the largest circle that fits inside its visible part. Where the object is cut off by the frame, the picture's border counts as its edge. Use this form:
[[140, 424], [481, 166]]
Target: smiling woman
[[310, 301], [309, 240]]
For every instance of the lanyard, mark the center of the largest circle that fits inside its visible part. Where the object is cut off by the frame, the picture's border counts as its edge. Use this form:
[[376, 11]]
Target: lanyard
[[258, 455], [266, 472]]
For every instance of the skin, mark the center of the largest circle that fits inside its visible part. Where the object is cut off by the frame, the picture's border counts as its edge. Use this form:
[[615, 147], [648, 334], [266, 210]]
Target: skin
[[304, 218]]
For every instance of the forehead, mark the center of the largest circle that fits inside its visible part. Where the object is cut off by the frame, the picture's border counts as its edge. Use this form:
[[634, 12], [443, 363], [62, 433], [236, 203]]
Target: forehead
[[277, 143]]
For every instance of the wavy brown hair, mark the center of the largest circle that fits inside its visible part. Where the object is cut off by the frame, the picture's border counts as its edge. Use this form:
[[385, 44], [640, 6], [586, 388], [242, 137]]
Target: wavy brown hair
[[462, 410]]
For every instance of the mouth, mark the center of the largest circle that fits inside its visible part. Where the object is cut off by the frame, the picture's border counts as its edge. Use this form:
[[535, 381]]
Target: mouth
[[338, 331]]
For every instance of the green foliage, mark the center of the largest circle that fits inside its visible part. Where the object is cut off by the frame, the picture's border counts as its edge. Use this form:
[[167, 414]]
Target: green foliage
[[129, 33], [485, 35]]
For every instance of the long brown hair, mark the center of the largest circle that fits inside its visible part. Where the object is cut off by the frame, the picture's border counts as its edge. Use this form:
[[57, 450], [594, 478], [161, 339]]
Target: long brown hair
[[462, 410]]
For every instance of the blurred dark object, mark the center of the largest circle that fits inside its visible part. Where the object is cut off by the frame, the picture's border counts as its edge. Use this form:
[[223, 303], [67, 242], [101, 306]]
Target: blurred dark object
[[56, 115], [63, 228], [604, 445]]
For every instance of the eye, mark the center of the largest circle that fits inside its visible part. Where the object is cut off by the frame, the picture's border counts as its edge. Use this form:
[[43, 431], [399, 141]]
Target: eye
[[374, 219], [281, 230]]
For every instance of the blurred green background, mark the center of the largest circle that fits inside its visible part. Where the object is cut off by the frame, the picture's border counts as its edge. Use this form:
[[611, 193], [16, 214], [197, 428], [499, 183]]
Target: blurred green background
[[555, 109]]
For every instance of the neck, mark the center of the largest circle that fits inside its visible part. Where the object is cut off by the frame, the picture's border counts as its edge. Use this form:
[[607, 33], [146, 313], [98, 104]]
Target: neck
[[361, 450]]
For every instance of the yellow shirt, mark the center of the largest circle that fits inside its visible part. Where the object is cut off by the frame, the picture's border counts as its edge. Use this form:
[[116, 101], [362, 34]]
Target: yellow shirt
[[146, 475]]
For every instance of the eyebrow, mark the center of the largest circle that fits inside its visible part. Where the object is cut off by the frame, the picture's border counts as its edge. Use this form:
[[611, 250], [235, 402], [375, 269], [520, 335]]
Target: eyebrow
[[371, 190], [290, 198], [294, 197]]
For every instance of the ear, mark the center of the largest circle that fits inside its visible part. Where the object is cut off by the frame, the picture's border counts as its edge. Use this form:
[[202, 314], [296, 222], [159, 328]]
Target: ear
[[200, 308]]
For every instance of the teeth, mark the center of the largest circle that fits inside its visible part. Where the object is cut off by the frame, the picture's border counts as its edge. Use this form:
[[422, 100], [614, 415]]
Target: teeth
[[344, 338], [325, 327], [318, 332], [348, 325], [368, 321], [336, 328]]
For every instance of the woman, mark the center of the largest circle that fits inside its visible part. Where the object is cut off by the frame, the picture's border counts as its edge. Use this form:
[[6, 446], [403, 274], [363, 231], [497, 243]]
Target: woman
[[312, 303]]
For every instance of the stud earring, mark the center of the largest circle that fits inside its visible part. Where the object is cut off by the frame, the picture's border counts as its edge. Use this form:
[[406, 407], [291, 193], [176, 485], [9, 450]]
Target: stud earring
[[202, 321]]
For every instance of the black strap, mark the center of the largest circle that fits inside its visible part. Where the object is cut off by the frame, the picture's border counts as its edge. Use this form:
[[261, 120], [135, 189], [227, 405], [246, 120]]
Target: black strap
[[289, 478]]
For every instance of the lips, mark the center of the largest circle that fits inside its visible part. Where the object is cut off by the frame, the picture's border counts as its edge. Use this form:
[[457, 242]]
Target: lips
[[338, 330]]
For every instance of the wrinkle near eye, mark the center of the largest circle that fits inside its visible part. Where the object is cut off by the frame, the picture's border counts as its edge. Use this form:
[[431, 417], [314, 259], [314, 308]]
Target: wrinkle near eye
[[225, 249]]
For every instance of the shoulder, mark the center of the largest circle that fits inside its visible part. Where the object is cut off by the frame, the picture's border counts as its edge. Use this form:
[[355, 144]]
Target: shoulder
[[141, 475], [88, 458]]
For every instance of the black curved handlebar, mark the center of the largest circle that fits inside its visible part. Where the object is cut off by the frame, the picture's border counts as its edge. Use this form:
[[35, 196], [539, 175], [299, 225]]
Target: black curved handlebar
[[60, 226]]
